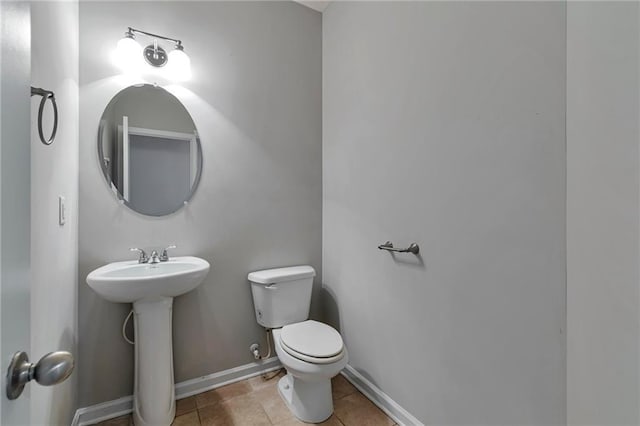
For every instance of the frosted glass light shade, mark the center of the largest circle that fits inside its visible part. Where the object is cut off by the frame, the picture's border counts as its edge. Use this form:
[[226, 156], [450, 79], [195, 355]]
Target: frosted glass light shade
[[179, 65], [129, 55]]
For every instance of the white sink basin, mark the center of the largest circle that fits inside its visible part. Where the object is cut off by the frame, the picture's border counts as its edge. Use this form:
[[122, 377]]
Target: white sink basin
[[130, 281], [151, 288]]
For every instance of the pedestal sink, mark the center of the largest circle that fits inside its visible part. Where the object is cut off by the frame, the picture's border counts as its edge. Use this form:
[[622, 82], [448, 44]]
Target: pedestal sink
[[151, 288]]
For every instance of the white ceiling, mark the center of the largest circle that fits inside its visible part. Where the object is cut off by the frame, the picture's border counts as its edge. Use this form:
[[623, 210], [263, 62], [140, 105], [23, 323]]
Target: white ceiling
[[318, 5]]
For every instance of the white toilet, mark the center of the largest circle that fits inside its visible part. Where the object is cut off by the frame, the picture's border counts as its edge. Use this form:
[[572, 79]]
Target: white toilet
[[312, 352]]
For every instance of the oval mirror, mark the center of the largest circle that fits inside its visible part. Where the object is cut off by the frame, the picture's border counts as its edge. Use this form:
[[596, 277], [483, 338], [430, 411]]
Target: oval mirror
[[149, 150]]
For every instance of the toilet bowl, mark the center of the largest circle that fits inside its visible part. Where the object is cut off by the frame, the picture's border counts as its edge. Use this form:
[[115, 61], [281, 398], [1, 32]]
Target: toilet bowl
[[312, 352], [306, 389]]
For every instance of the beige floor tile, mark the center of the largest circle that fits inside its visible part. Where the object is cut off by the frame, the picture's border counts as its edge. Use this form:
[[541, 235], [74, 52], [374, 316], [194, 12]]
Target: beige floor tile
[[222, 394], [259, 382], [189, 419], [331, 421], [242, 410], [356, 410], [118, 421], [272, 403], [185, 405], [256, 402], [341, 387]]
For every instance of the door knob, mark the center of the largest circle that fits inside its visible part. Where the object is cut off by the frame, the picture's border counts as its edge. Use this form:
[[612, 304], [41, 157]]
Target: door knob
[[53, 368]]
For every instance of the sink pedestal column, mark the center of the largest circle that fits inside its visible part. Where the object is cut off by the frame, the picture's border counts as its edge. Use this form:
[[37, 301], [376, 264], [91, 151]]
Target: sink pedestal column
[[154, 401]]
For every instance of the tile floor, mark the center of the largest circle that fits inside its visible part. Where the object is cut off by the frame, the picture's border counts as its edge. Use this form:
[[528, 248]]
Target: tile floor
[[256, 402]]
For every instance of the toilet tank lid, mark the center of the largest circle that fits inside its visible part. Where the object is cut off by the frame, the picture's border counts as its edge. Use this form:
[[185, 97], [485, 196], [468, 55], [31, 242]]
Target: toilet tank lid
[[278, 275]]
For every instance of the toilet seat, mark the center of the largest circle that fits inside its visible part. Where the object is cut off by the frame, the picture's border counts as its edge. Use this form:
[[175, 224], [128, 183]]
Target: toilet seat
[[313, 342]]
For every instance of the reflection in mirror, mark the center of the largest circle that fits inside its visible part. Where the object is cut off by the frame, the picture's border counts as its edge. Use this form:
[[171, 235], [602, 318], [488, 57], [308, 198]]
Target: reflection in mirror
[[149, 150]]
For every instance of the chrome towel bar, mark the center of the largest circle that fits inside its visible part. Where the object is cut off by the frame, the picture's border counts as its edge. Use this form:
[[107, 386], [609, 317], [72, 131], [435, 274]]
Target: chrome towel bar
[[413, 248]]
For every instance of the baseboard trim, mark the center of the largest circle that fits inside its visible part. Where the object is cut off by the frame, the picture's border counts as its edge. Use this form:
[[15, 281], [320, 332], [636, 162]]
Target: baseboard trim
[[379, 398], [103, 411], [222, 378], [122, 406]]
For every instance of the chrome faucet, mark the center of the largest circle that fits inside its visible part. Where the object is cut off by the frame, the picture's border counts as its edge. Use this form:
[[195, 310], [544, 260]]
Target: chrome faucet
[[165, 256], [143, 258], [154, 257]]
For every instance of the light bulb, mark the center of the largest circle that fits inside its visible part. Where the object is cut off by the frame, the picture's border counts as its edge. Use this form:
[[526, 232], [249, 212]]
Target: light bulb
[[179, 65], [129, 54]]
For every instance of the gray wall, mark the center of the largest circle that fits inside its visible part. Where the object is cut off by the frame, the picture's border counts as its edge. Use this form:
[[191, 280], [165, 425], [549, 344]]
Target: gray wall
[[255, 98], [54, 172], [443, 123], [603, 92]]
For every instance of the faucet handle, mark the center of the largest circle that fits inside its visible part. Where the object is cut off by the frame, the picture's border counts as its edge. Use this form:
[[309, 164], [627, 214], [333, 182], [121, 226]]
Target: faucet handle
[[165, 256], [143, 258]]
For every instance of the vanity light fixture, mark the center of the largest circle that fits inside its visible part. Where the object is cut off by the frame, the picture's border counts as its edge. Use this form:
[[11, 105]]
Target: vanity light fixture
[[130, 54]]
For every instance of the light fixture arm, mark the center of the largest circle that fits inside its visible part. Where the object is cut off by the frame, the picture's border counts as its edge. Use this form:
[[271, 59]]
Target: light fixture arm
[[176, 41], [154, 54]]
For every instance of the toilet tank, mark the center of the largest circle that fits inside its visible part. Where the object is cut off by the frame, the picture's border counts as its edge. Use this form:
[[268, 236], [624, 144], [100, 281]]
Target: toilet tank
[[282, 296]]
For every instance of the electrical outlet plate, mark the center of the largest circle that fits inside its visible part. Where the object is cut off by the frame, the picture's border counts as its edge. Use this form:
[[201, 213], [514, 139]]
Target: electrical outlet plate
[[62, 211]]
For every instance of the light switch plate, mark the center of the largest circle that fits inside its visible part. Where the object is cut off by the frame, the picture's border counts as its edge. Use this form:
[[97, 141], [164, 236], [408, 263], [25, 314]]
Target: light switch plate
[[62, 211]]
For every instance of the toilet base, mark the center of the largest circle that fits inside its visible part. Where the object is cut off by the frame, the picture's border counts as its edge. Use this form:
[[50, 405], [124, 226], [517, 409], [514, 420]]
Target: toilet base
[[310, 402]]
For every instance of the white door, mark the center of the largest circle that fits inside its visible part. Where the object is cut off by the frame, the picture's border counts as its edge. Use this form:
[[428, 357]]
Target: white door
[[15, 56]]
